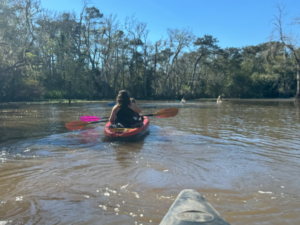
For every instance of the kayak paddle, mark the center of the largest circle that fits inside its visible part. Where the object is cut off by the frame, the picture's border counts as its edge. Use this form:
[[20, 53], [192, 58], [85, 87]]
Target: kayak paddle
[[164, 113], [92, 118], [77, 125]]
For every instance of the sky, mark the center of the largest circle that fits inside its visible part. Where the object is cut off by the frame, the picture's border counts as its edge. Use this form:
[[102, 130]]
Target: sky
[[235, 23]]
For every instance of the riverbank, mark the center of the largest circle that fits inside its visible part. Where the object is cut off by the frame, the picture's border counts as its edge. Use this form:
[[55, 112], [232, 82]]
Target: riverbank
[[66, 101], [63, 101], [249, 99]]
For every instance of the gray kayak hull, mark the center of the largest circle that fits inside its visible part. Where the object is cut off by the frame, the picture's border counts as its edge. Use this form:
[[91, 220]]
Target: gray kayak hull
[[190, 208]]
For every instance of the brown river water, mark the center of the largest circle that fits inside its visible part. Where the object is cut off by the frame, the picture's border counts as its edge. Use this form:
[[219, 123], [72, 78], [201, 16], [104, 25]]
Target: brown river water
[[243, 157]]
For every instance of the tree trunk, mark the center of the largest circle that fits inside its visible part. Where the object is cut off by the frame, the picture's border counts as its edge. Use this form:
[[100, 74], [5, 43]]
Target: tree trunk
[[298, 84], [123, 68], [145, 83], [116, 73], [144, 74], [193, 76], [123, 77], [69, 92], [131, 78], [155, 79]]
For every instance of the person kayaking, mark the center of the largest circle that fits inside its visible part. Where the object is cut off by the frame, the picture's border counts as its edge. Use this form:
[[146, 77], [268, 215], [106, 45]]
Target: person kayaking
[[182, 100], [125, 113], [219, 99]]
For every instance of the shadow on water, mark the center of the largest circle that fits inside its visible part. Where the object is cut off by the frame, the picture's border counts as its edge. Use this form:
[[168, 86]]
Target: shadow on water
[[126, 151]]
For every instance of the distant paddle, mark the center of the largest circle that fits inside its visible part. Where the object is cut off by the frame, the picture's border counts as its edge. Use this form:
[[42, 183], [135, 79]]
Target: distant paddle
[[164, 113]]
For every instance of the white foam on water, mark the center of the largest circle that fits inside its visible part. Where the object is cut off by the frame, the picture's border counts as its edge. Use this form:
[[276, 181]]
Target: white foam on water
[[265, 192], [27, 150], [111, 191], [19, 198], [103, 207], [136, 194], [125, 186]]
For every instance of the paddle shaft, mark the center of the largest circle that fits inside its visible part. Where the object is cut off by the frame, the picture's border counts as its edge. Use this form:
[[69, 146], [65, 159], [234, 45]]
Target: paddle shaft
[[152, 114], [170, 112], [76, 125], [100, 121]]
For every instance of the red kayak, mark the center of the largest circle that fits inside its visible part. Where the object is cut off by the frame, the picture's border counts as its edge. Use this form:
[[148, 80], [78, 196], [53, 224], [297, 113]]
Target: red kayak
[[127, 135]]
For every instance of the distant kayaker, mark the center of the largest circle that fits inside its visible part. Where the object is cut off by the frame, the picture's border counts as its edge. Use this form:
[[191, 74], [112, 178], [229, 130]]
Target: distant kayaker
[[219, 99], [182, 100], [125, 113], [132, 100]]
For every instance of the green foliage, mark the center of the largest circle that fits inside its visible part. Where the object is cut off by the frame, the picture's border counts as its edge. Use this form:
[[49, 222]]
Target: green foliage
[[54, 94], [93, 56], [29, 90]]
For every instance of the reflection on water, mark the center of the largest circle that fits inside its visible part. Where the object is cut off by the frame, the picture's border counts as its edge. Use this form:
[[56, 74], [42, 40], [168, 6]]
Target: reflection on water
[[243, 157]]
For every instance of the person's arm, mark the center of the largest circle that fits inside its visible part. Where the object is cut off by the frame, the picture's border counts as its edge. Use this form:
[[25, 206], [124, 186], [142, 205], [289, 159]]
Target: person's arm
[[113, 114], [135, 108]]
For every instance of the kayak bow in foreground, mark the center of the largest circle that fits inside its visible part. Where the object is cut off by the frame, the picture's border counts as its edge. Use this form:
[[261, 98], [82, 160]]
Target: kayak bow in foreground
[[190, 208]]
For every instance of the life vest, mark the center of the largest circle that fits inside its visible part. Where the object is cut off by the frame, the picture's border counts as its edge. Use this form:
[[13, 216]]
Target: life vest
[[127, 117]]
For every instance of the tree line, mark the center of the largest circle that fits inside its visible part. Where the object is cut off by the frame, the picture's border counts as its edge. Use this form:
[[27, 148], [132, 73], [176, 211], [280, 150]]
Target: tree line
[[50, 55]]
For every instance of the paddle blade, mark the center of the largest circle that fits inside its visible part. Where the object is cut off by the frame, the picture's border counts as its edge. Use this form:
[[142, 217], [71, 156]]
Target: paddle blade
[[90, 118], [76, 125], [170, 112]]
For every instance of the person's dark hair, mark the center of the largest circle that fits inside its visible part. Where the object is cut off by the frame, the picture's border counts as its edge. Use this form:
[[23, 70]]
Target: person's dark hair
[[123, 99]]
